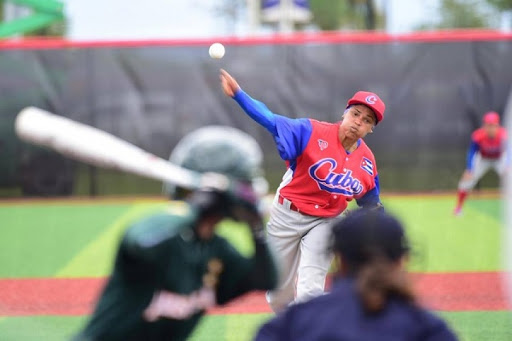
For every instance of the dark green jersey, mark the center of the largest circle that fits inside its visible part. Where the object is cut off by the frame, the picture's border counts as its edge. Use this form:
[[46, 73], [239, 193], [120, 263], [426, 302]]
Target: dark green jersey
[[163, 265]]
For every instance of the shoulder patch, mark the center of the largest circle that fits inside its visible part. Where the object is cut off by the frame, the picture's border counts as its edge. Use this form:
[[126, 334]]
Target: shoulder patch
[[367, 165]]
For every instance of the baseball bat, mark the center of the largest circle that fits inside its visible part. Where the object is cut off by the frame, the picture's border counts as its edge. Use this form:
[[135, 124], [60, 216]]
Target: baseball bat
[[99, 148]]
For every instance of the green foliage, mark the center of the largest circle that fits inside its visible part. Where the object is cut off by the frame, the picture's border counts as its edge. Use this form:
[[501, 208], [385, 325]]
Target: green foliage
[[501, 4], [56, 29], [346, 14], [327, 15], [460, 14], [330, 15]]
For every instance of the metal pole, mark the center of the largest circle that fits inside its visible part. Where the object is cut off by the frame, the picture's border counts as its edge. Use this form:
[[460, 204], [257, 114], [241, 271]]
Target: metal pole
[[506, 21], [285, 19], [254, 8], [91, 99], [389, 11]]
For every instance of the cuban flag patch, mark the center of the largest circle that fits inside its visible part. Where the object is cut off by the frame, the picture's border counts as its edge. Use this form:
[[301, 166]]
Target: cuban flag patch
[[367, 166]]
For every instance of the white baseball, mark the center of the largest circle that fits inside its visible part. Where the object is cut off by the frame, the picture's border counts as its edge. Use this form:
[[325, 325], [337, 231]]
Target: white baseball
[[217, 50]]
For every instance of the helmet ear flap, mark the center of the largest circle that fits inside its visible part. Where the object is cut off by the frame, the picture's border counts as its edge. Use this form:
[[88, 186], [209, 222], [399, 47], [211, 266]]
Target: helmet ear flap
[[210, 203]]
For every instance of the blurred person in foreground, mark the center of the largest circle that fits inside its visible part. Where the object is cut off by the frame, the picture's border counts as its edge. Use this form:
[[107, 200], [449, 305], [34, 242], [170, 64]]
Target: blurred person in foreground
[[328, 165], [371, 297], [171, 266], [487, 150]]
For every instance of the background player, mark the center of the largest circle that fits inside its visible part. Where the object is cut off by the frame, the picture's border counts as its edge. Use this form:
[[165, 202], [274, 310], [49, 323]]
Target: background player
[[328, 165], [171, 266], [372, 297], [487, 150]]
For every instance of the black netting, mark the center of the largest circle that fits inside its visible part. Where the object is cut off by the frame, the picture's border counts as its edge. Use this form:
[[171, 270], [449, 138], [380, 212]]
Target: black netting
[[435, 94]]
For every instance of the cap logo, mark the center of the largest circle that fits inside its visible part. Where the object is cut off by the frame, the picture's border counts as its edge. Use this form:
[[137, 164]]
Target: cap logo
[[371, 99]]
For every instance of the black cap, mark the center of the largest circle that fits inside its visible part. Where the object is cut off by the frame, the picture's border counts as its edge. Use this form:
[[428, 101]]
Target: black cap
[[364, 234]]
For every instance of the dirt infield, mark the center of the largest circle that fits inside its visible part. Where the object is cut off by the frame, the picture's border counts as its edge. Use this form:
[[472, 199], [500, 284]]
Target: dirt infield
[[76, 296]]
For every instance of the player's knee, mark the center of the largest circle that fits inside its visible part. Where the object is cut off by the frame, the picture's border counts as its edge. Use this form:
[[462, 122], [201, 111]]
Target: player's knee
[[310, 287], [465, 185]]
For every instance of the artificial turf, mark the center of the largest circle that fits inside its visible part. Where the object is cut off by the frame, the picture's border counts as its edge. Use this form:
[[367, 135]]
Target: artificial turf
[[79, 240]]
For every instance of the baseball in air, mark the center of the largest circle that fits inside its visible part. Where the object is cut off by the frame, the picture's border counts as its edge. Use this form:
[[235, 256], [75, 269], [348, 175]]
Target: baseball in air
[[216, 50]]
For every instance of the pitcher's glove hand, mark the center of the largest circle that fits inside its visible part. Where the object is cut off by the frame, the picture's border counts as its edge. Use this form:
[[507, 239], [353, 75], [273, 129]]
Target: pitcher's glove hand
[[376, 207], [379, 207]]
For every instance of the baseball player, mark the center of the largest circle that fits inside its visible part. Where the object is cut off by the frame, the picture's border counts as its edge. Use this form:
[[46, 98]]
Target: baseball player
[[171, 266], [328, 165], [372, 297], [487, 150]]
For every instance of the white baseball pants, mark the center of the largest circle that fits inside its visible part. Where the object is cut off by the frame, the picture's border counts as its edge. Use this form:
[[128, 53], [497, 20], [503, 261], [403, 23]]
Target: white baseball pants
[[480, 167], [301, 245]]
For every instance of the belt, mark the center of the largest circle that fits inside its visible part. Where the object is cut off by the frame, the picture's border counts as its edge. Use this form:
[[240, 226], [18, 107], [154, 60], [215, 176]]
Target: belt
[[281, 199]]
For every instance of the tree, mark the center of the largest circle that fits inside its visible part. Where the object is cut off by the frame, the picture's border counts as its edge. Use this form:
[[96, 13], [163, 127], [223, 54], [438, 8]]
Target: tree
[[230, 10], [461, 14], [331, 15], [505, 5], [56, 29], [346, 14], [328, 15], [366, 8]]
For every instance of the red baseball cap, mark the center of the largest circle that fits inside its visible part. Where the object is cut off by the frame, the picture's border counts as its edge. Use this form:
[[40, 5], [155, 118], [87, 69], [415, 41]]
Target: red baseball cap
[[371, 100], [491, 117]]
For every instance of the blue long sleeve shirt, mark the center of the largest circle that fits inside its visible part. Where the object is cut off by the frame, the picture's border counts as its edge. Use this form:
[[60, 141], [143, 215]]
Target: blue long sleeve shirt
[[291, 137], [473, 149]]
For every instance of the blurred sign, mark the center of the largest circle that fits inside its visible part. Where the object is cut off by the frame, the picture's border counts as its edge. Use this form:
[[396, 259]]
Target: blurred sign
[[24, 16], [295, 10]]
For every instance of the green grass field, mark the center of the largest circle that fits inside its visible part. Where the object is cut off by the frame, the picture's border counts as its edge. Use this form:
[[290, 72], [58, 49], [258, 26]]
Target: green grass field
[[78, 239]]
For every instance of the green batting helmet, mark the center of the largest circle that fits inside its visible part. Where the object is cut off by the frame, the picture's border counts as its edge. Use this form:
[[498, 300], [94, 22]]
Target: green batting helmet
[[219, 149]]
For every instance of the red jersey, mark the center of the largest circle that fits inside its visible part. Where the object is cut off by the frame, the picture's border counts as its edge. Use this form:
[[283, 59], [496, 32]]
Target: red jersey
[[326, 177], [490, 148]]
